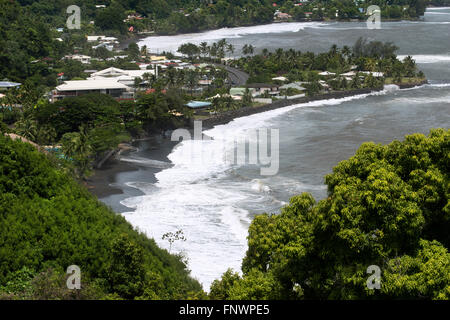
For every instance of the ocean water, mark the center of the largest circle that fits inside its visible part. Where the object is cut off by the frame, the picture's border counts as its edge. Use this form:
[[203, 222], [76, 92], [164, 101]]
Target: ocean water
[[214, 200]]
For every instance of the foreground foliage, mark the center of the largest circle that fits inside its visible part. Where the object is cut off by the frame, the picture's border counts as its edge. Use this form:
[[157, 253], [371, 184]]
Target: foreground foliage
[[387, 206], [49, 222]]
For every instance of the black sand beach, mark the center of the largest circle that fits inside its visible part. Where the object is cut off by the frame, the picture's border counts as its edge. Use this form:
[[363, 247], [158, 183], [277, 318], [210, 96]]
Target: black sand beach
[[109, 184]]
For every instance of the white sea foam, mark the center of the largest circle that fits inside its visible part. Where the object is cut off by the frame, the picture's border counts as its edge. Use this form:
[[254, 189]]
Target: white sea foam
[[428, 58], [438, 13], [438, 8], [172, 43], [439, 85], [423, 100], [197, 198], [146, 162]]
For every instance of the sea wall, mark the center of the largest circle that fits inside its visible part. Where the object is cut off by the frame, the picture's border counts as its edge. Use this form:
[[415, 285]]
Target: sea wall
[[228, 116]]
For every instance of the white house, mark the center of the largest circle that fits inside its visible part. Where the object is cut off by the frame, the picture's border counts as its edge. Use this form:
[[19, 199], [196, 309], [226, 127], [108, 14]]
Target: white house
[[375, 74], [116, 72], [326, 73], [101, 39], [109, 46], [262, 88], [107, 86], [79, 57], [126, 77]]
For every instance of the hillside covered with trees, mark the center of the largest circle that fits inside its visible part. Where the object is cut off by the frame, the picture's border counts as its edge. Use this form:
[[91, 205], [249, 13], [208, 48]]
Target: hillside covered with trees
[[174, 16], [49, 222], [387, 206]]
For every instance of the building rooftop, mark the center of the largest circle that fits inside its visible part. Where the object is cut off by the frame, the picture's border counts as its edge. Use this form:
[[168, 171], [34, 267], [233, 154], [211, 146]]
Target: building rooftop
[[116, 72], [198, 104], [262, 85], [91, 84], [8, 84]]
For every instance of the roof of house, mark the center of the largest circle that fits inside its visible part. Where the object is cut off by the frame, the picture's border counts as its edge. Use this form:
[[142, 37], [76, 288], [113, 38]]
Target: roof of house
[[116, 72], [237, 91], [91, 84], [77, 56], [280, 79], [261, 85], [198, 104], [327, 73], [292, 85], [349, 74], [8, 84], [375, 74], [101, 38]]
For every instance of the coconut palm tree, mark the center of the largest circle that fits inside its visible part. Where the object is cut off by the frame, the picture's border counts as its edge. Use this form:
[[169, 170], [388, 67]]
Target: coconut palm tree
[[251, 49], [334, 49], [144, 51], [248, 49], [213, 50], [76, 146], [230, 49], [27, 128], [192, 80], [171, 76], [137, 83], [347, 52], [149, 79], [204, 49]]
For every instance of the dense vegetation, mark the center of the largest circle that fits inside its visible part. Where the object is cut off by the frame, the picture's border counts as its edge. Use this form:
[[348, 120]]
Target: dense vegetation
[[386, 206], [374, 56], [28, 29], [89, 126], [49, 222], [196, 15]]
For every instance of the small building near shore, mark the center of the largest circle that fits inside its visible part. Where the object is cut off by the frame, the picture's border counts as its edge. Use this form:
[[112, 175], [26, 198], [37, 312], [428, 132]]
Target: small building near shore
[[102, 39], [327, 73], [77, 88], [126, 77], [198, 105], [79, 57], [262, 88]]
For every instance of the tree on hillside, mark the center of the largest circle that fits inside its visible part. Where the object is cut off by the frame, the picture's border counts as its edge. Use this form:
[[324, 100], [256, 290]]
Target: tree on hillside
[[133, 51], [387, 206], [127, 268], [77, 148], [49, 221], [189, 49], [111, 18]]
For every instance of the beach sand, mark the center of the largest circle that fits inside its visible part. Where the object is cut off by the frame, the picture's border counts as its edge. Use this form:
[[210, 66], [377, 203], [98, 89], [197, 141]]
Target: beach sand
[[109, 184]]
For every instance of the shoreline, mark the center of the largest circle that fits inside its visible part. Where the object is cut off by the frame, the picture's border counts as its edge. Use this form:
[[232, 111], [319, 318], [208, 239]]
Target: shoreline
[[229, 116], [139, 37], [108, 183]]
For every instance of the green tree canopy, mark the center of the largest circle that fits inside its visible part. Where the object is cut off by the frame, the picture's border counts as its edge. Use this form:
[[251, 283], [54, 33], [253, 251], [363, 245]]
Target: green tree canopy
[[49, 221], [386, 206]]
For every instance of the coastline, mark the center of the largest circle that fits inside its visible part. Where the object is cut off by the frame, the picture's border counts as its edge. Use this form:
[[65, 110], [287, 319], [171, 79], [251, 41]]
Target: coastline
[[228, 116], [139, 37], [108, 184]]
